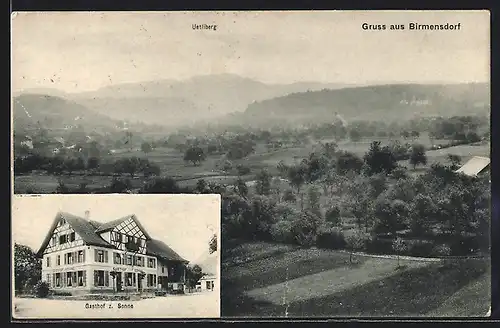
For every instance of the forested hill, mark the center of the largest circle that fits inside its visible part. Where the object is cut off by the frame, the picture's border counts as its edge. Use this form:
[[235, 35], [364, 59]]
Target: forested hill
[[387, 102]]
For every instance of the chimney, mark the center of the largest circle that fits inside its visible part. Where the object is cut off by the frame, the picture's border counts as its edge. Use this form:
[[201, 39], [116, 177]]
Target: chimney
[[87, 215]]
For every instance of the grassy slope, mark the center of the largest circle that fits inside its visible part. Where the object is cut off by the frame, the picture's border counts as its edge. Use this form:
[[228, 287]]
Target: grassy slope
[[248, 288]]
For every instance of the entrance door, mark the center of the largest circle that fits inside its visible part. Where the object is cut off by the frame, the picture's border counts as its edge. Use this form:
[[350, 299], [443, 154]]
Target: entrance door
[[118, 278]]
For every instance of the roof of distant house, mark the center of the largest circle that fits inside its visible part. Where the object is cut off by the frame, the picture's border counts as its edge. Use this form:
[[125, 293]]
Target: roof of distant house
[[89, 231], [474, 166]]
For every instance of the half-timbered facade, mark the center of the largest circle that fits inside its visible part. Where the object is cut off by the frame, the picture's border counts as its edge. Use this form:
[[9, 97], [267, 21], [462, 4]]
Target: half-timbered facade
[[80, 255]]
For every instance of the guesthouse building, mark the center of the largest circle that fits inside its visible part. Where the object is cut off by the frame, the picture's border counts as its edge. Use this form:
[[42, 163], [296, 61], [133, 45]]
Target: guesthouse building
[[82, 256]]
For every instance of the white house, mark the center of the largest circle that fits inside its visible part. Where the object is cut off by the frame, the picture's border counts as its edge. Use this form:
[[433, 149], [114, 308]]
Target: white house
[[207, 282], [81, 256]]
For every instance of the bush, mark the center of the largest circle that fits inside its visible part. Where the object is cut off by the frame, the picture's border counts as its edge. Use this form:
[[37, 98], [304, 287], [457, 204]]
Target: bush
[[42, 289], [243, 170], [420, 248], [305, 229], [281, 231], [289, 196], [376, 245], [331, 238], [332, 215], [441, 250]]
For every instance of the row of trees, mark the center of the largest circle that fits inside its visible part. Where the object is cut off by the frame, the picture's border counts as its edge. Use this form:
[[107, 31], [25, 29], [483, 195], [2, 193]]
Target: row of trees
[[58, 165]]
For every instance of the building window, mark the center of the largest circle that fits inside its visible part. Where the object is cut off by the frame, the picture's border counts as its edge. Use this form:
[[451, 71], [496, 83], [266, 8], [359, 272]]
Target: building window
[[58, 260], [162, 269], [69, 258], [118, 258], [58, 280], [139, 261], [54, 241], [81, 278], [101, 256], [129, 259], [62, 239], [48, 279], [208, 285], [72, 236], [81, 256], [151, 263], [128, 279], [101, 278], [69, 279], [48, 261], [151, 280], [118, 236]]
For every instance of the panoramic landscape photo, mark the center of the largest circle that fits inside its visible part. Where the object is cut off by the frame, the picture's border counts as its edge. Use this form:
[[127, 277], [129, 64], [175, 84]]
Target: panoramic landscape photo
[[351, 162]]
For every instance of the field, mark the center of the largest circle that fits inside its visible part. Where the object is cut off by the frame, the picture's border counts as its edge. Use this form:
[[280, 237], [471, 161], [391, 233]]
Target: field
[[172, 164], [275, 280]]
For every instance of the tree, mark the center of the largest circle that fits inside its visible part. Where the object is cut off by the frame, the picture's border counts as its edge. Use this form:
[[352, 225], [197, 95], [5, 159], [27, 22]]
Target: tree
[[415, 134], [355, 241], [354, 135], [417, 155], [405, 134], [241, 188], [399, 246], [120, 185], [313, 200], [195, 155], [212, 245], [389, 215], [201, 186], [146, 147], [305, 228], [165, 185], [455, 161], [131, 165], [263, 182], [193, 274], [379, 159], [422, 210], [348, 162], [332, 215], [297, 178], [27, 268]]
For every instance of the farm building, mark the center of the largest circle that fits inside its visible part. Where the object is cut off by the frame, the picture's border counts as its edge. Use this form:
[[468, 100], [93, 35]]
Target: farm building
[[477, 165], [82, 256], [206, 282]]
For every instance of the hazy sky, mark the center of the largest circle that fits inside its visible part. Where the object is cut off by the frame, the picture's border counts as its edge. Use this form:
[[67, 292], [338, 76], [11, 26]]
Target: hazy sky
[[82, 51], [184, 222]]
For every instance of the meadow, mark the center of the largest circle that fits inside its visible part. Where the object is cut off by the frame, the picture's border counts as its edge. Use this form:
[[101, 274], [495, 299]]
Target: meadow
[[277, 280]]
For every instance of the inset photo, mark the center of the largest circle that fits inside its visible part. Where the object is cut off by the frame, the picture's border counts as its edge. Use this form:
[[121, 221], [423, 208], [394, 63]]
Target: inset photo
[[116, 256]]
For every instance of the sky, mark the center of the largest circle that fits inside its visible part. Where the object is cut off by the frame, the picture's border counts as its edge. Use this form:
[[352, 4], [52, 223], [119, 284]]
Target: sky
[[184, 222], [82, 51]]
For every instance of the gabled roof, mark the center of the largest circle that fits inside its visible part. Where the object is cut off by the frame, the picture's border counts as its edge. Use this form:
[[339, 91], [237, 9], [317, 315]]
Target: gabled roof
[[158, 248], [84, 228], [89, 231], [474, 166], [112, 224]]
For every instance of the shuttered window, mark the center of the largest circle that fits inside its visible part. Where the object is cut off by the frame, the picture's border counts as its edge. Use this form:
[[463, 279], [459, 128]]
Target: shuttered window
[[106, 278]]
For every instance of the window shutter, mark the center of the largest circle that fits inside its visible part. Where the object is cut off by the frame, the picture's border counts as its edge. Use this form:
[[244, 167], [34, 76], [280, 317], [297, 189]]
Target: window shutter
[[75, 257], [106, 277], [95, 277], [96, 255], [75, 279], [53, 279], [106, 257], [84, 258], [65, 259], [84, 277]]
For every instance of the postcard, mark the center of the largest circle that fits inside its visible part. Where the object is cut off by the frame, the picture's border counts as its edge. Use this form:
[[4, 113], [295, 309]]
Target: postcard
[[350, 150]]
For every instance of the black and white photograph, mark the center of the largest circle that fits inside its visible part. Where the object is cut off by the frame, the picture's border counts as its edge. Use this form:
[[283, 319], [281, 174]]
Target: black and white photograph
[[350, 150], [116, 256]]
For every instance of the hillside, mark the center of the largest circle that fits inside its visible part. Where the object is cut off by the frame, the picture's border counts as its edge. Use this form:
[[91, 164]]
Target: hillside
[[208, 262], [31, 111], [387, 102], [171, 102]]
